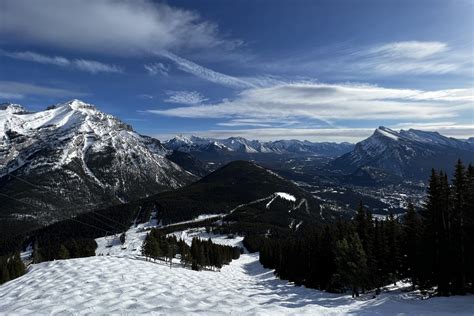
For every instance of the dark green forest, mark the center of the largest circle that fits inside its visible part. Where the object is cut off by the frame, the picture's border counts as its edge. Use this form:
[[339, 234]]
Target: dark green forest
[[203, 254], [433, 246]]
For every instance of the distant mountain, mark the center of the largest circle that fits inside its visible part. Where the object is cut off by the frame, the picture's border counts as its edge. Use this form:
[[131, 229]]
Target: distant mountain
[[408, 153], [239, 145], [73, 157]]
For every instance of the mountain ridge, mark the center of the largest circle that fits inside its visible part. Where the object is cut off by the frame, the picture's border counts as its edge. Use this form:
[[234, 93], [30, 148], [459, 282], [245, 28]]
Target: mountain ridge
[[407, 153], [242, 145], [71, 153]]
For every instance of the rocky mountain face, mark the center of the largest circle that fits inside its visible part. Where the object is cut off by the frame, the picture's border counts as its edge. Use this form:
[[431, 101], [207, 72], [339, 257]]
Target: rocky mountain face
[[73, 157], [408, 153], [241, 145]]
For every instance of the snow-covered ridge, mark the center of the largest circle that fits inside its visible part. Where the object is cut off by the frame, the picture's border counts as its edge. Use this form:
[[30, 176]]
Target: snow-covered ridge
[[242, 145], [87, 150]]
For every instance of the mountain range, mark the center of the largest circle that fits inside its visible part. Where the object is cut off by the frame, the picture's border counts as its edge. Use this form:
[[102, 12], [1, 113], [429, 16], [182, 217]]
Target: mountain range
[[71, 158], [239, 145]]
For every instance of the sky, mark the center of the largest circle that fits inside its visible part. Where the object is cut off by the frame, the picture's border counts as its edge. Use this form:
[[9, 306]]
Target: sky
[[316, 70]]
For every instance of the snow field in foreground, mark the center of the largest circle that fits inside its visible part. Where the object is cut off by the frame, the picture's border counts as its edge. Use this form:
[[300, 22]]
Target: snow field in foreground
[[122, 282], [108, 284]]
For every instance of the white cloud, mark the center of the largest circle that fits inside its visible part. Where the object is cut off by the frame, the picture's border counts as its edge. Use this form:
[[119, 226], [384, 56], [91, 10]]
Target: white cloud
[[185, 97], [157, 68], [261, 122], [91, 66], [329, 102], [38, 58], [18, 90], [415, 58], [351, 135], [116, 27], [409, 49], [411, 57], [206, 73]]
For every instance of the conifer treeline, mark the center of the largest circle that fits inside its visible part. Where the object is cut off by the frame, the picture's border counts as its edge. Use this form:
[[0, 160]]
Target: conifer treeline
[[433, 248], [201, 254], [72, 248], [11, 267]]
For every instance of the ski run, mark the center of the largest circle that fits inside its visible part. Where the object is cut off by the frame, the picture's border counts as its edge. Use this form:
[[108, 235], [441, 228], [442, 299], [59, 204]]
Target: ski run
[[119, 280]]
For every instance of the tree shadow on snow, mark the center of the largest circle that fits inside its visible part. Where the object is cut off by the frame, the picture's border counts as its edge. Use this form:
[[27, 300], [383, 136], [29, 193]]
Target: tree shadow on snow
[[288, 295]]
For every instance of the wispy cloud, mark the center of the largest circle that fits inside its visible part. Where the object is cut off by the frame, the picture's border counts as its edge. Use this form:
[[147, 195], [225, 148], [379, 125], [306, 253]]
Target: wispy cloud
[[345, 134], [412, 57], [184, 97], [20, 90], [260, 122], [109, 26], [332, 102], [206, 73], [157, 68], [38, 58], [91, 66], [349, 60], [409, 49]]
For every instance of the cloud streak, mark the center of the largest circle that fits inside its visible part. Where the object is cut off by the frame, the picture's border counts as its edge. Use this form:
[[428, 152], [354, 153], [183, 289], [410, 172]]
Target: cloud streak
[[91, 66], [351, 135], [332, 102], [389, 59], [206, 73]]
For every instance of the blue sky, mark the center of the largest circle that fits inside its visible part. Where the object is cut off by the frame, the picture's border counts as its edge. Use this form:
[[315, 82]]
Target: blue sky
[[317, 70]]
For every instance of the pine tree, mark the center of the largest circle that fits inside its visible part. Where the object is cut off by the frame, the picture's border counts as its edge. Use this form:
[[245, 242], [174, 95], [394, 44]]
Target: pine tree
[[469, 227], [458, 227], [351, 263], [393, 238], [411, 237]]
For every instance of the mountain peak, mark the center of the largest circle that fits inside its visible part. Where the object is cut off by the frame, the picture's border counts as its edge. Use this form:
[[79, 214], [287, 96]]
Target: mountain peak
[[387, 132], [77, 104], [12, 108]]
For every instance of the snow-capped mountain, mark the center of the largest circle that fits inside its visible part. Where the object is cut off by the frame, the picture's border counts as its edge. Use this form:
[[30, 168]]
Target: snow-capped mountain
[[242, 145], [72, 157], [407, 153]]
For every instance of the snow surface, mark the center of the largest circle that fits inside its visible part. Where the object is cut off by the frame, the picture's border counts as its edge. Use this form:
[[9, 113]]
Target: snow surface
[[282, 195], [109, 284], [123, 282]]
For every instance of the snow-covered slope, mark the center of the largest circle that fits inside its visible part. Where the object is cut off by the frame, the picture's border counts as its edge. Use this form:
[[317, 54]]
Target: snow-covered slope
[[242, 145], [410, 153], [124, 285], [73, 155]]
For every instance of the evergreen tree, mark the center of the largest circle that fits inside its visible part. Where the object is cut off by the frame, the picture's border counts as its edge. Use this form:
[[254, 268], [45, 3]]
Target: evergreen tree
[[411, 247], [458, 220], [351, 263], [469, 227]]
